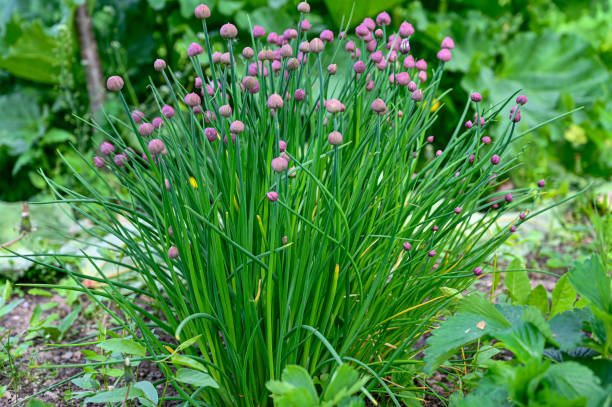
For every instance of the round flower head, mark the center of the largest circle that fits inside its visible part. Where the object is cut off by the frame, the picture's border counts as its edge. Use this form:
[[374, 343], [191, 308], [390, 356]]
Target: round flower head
[[202, 12], [327, 35], [422, 76], [146, 129], [107, 148], [361, 31], [137, 116], [409, 62], [369, 23], [486, 140], [198, 83], [432, 253], [290, 34], [299, 95], [472, 157], [286, 51], [98, 162], [293, 64], [305, 26], [417, 95], [279, 164], [495, 159], [226, 58], [228, 31], [316, 45], [120, 160], [508, 198], [402, 78], [458, 210], [211, 134], [406, 29], [350, 46], [438, 153], [541, 183], [192, 99], [444, 55], [522, 215], [477, 271], [114, 83], [303, 8], [334, 106], [275, 101], [521, 99], [469, 124], [370, 85], [334, 138], [225, 110], [376, 57], [516, 117], [194, 49], [157, 122], [378, 33], [332, 68], [156, 146], [421, 65], [379, 106], [251, 84], [407, 246], [237, 127], [248, 53], [512, 229], [173, 252], [304, 46], [371, 46], [259, 31], [447, 43], [272, 196], [404, 46], [159, 64], [359, 67], [412, 86], [383, 18], [430, 139], [476, 97]]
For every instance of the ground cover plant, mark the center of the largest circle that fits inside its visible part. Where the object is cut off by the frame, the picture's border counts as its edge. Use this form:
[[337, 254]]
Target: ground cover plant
[[286, 208]]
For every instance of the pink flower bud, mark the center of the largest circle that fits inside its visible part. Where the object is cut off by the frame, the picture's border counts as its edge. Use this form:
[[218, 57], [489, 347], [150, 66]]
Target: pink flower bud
[[417, 95], [407, 246], [146, 129], [430, 139], [137, 116], [259, 31], [472, 157], [275, 101], [541, 183], [334, 138], [477, 271], [228, 31], [458, 210], [98, 162], [376, 57], [495, 159], [156, 146], [350, 46], [316, 45], [107, 148], [370, 85], [305, 27], [359, 67], [248, 53], [120, 160], [381, 65], [159, 64], [303, 8], [508, 198], [279, 164], [192, 99], [421, 65], [438, 153], [383, 18], [521, 99], [379, 106], [402, 78], [522, 215], [114, 83], [225, 111], [327, 35], [334, 106], [432, 253], [211, 134], [194, 49], [447, 43], [486, 140], [404, 46], [476, 97], [202, 12], [512, 229], [412, 86], [422, 76], [444, 55], [157, 122], [409, 62], [237, 127], [282, 145], [272, 196], [173, 252]]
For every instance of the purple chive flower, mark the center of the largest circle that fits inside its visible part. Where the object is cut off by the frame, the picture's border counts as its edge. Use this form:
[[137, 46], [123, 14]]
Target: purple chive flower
[[98, 162], [303, 8], [225, 111], [458, 210], [159, 64], [370, 85], [407, 246], [378, 33], [522, 215], [417, 95], [468, 124], [471, 160], [495, 159], [334, 138], [107, 148], [332, 69], [477, 271], [361, 31], [422, 76], [157, 122], [430, 139], [173, 252], [438, 153], [379, 106], [421, 65], [194, 49], [156, 146], [486, 140], [305, 27], [327, 35], [198, 83], [432, 253], [228, 31], [120, 160], [412, 86], [404, 47], [272, 196], [202, 12], [508, 198], [282, 145], [447, 43], [376, 57], [316, 45], [259, 31], [406, 29], [359, 67], [521, 99], [237, 127], [211, 134], [512, 229], [146, 129], [435, 228], [444, 55], [114, 83], [476, 97], [248, 53], [383, 18], [299, 95], [516, 117], [541, 183], [279, 164], [275, 101], [409, 62], [192, 99], [137, 116], [167, 111], [369, 23], [167, 185], [170, 232]]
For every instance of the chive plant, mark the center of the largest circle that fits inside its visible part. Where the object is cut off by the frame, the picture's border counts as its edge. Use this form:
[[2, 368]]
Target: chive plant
[[287, 210]]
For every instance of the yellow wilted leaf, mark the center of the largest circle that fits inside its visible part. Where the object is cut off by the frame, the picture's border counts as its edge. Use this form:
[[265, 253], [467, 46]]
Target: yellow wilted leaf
[[193, 182]]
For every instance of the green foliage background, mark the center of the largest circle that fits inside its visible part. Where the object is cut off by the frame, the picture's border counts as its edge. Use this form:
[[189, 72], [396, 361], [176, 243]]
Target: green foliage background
[[558, 51]]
